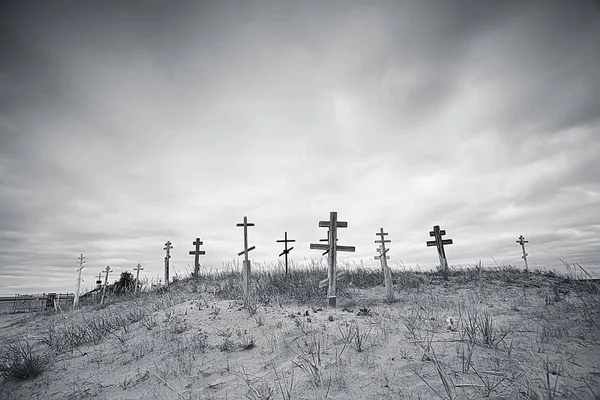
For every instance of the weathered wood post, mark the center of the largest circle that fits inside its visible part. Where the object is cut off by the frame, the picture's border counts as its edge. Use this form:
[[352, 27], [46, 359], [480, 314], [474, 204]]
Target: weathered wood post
[[383, 257], [331, 249], [99, 281], [286, 251], [196, 253], [522, 242], [168, 248], [439, 243], [76, 298], [106, 271], [246, 267], [137, 270]]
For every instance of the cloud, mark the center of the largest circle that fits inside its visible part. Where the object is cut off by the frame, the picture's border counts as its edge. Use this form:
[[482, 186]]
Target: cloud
[[123, 125]]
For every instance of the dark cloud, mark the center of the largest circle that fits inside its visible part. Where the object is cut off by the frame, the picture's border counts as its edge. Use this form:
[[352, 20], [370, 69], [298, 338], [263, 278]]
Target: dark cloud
[[123, 125]]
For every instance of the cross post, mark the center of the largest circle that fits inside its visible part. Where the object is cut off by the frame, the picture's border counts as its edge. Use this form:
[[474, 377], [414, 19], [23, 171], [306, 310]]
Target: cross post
[[331, 250], [286, 251], [246, 268], [383, 257], [522, 242], [76, 298], [437, 233], [168, 248], [197, 253], [107, 271], [137, 270]]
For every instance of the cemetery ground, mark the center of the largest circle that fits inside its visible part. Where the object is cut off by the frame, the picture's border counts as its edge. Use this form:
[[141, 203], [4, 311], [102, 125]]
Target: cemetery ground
[[504, 333]]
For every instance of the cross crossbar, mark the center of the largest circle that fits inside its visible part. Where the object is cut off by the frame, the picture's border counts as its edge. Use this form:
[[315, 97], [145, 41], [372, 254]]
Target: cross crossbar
[[442, 233], [345, 248], [326, 224], [244, 251], [286, 251]]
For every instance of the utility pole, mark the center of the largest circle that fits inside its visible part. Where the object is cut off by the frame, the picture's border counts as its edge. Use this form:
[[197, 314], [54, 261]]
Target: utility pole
[[76, 298], [106, 271], [168, 248], [522, 242], [137, 276]]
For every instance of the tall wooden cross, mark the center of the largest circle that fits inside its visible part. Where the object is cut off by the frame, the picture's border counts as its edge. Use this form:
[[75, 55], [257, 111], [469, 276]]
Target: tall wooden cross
[[332, 248], [76, 298], [197, 253], [107, 271], [286, 251], [522, 242], [137, 270], [437, 233], [383, 257], [168, 248], [246, 268]]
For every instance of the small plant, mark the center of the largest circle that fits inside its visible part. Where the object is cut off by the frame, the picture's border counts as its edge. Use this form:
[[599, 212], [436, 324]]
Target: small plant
[[413, 321], [247, 342], [347, 333], [364, 312], [225, 333], [360, 338], [465, 353], [18, 361], [260, 321], [490, 335], [148, 322], [214, 312], [227, 345]]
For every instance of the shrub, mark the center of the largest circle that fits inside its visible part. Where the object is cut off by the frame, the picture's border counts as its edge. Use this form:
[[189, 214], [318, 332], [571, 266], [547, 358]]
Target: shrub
[[19, 361]]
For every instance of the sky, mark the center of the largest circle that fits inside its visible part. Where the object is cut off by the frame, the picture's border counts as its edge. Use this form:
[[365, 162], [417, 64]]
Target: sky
[[127, 124]]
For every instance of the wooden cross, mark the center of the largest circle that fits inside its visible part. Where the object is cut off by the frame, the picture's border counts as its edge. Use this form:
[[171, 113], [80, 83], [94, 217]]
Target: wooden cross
[[383, 257], [197, 253], [439, 243], [522, 242], [168, 248], [332, 248], [246, 268], [286, 251], [137, 270], [76, 298], [107, 271], [99, 281]]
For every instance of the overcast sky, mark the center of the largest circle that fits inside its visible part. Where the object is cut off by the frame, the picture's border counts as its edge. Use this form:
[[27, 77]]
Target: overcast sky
[[127, 124]]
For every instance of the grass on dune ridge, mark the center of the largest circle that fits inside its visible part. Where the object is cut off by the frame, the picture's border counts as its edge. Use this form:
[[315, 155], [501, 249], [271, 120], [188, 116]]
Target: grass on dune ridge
[[25, 358]]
